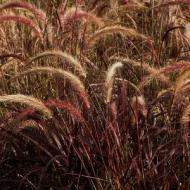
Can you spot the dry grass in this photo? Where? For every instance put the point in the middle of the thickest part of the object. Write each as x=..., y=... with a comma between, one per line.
x=90, y=126
x=75, y=81
x=109, y=30
x=76, y=14
x=110, y=79
x=39, y=13
x=24, y=21
x=76, y=64
x=27, y=100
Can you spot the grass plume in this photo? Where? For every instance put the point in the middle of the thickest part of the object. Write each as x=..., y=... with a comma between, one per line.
x=181, y=79
x=75, y=81
x=74, y=62
x=109, y=30
x=186, y=116
x=74, y=13
x=75, y=113
x=110, y=78
x=25, y=21
x=40, y=14
x=29, y=101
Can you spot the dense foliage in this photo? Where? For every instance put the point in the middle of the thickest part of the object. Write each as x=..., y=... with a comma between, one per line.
x=94, y=94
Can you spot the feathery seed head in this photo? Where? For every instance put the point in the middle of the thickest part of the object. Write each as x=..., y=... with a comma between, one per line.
x=109, y=79
x=27, y=100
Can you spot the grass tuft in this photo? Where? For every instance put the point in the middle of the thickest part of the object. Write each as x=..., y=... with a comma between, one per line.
x=27, y=100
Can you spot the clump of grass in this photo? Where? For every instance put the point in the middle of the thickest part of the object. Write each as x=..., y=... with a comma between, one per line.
x=27, y=100
x=102, y=33
x=74, y=80
x=8, y=55
x=74, y=13
x=128, y=135
x=186, y=116
x=75, y=63
x=25, y=5
x=181, y=79
x=25, y=21
x=170, y=3
x=177, y=66
x=75, y=113
x=153, y=72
